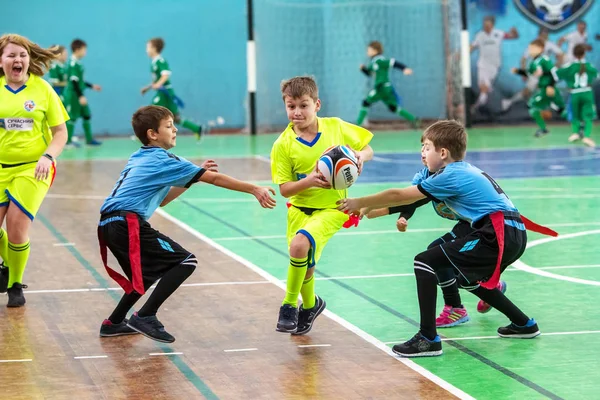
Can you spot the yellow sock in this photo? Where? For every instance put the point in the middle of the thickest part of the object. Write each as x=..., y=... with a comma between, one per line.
x=18, y=254
x=308, y=293
x=296, y=273
x=3, y=246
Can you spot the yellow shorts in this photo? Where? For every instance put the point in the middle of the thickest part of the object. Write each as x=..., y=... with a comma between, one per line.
x=19, y=186
x=318, y=227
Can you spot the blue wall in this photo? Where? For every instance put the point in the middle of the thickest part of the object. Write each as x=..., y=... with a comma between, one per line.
x=205, y=47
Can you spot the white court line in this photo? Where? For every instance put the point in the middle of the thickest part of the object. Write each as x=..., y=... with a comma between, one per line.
x=88, y=357
x=175, y=353
x=16, y=361
x=262, y=158
x=498, y=337
x=330, y=278
x=304, y=346
x=64, y=244
x=571, y=266
x=524, y=267
x=388, y=231
x=75, y=196
x=352, y=328
x=351, y=233
x=233, y=283
x=240, y=350
x=339, y=278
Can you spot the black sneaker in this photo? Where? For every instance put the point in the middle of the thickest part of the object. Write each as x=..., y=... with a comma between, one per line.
x=150, y=327
x=3, y=278
x=541, y=132
x=419, y=346
x=529, y=331
x=15, y=296
x=288, y=319
x=108, y=329
x=306, y=318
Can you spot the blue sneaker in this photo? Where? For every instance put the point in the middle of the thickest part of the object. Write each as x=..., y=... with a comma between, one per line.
x=94, y=142
x=419, y=346
x=512, y=331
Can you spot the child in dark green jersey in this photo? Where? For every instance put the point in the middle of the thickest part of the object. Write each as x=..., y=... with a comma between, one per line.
x=379, y=66
x=165, y=95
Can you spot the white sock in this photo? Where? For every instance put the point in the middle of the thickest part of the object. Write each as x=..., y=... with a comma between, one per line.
x=518, y=96
x=482, y=99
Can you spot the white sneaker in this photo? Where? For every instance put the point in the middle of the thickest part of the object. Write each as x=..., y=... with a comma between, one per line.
x=506, y=104
x=574, y=137
x=588, y=142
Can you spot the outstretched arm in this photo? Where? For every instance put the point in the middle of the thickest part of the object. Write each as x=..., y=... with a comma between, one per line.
x=161, y=81
x=387, y=198
x=227, y=182
x=513, y=33
x=175, y=192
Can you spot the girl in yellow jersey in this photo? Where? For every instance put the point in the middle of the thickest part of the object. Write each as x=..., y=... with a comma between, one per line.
x=32, y=135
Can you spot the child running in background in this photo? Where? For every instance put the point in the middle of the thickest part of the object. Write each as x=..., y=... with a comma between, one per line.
x=547, y=96
x=579, y=75
x=74, y=97
x=383, y=89
x=165, y=95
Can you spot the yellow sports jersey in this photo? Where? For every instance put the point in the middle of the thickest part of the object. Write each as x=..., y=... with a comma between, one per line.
x=293, y=159
x=26, y=115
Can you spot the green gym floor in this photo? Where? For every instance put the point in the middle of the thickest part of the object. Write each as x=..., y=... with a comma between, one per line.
x=366, y=273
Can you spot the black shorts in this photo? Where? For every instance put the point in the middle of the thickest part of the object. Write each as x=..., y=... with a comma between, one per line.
x=158, y=253
x=461, y=229
x=474, y=256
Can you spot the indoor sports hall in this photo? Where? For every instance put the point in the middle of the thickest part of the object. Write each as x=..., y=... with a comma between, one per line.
x=224, y=315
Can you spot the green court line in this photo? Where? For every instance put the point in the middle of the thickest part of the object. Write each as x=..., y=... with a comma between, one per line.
x=185, y=369
x=524, y=381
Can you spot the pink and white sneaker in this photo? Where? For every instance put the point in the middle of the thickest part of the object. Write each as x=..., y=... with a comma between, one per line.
x=451, y=316
x=484, y=307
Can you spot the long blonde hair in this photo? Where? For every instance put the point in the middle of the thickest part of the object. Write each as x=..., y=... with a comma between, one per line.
x=40, y=58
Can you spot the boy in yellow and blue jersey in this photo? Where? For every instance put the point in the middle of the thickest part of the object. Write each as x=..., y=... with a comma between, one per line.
x=312, y=216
